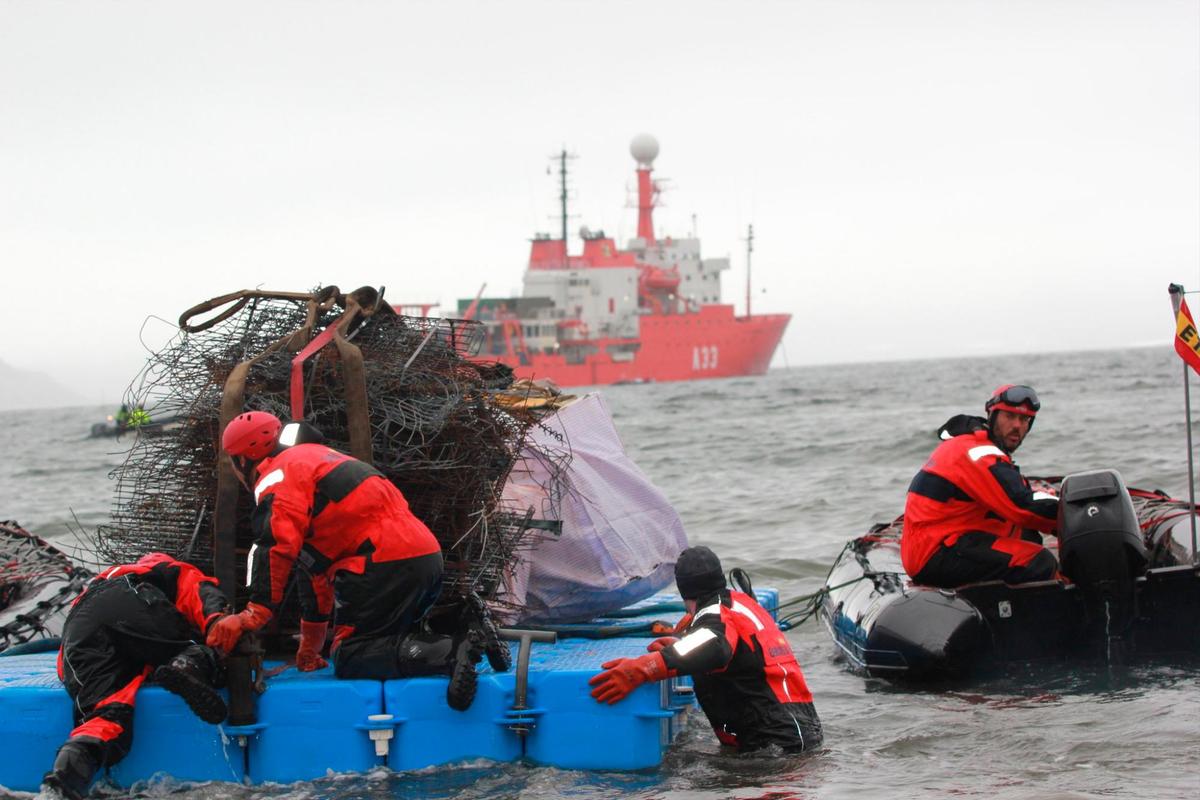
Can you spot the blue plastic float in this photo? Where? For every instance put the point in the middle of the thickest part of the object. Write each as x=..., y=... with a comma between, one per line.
x=311, y=724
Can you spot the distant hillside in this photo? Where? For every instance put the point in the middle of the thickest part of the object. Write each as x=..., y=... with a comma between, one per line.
x=21, y=388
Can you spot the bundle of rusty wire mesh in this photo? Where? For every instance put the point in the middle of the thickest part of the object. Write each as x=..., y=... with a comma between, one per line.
x=428, y=422
x=38, y=582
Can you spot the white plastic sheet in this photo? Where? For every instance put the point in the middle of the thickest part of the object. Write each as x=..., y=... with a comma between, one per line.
x=620, y=535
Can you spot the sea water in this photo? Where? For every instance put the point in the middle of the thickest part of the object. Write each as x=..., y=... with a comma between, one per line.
x=775, y=474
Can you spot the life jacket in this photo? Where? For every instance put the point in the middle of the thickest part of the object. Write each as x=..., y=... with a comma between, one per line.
x=969, y=484
x=757, y=631
x=747, y=679
x=329, y=512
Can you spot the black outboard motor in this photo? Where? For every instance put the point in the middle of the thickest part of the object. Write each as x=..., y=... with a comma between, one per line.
x=1101, y=550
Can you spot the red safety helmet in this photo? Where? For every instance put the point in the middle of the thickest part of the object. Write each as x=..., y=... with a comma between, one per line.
x=1015, y=398
x=252, y=435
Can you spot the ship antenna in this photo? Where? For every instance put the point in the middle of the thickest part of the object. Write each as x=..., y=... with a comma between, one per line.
x=749, y=250
x=563, y=194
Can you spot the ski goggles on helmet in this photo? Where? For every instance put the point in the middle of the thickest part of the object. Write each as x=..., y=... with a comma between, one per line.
x=1017, y=399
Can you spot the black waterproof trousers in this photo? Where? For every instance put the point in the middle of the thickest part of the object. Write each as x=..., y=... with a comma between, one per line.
x=979, y=556
x=112, y=640
x=377, y=609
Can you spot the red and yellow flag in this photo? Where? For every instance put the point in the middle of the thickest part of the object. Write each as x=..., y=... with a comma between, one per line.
x=1187, y=340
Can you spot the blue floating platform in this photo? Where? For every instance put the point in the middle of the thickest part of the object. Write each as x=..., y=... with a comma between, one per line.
x=311, y=724
x=576, y=732
x=429, y=733
x=169, y=740
x=37, y=717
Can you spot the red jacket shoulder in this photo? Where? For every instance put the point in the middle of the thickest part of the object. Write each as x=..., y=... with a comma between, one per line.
x=968, y=448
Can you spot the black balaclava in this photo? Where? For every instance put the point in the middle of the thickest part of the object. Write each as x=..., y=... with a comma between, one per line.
x=698, y=573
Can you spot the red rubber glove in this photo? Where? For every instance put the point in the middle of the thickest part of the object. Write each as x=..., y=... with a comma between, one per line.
x=621, y=676
x=312, y=642
x=226, y=631
x=665, y=628
x=661, y=643
x=725, y=737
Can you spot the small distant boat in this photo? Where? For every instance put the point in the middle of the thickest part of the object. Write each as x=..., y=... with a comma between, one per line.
x=112, y=429
x=1132, y=590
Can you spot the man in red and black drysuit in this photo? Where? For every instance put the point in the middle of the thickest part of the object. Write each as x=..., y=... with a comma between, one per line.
x=747, y=679
x=133, y=622
x=352, y=535
x=970, y=515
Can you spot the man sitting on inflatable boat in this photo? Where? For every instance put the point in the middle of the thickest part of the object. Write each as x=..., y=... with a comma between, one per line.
x=747, y=679
x=970, y=515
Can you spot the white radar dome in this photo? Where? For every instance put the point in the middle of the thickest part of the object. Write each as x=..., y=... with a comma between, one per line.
x=644, y=149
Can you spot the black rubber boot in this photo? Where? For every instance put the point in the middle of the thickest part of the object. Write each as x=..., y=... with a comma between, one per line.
x=461, y=691
x=191, y=675
x=496, y=649
x=434, y=654
x=74, y=767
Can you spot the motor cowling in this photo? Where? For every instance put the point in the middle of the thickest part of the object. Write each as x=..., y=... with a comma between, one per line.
x=1100, y=547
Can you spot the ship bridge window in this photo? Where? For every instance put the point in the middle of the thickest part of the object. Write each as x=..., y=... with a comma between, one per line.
x=579, y=355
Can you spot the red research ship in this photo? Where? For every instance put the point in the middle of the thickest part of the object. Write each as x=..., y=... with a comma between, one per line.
x=650, y=312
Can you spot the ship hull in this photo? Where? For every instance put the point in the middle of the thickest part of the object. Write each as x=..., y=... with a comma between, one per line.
x=710, y=343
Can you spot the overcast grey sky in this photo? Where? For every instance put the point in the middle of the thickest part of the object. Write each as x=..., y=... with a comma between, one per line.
x=924, y=178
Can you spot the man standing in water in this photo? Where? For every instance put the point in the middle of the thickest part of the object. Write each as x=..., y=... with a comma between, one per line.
x=747, y=679
x=968, y=508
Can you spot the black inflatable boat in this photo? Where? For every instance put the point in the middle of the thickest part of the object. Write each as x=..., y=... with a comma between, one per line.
x=1132, y=590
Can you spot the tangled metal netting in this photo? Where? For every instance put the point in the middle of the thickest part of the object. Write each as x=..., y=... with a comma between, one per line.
x=436, y=429
x=37, y=584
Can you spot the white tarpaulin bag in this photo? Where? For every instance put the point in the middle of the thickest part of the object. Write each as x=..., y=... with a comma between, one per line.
x=620, y=536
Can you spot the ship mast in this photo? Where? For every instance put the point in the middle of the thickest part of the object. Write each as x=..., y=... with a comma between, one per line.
x=644, y=149
x=563, y=195
x=749, y=250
